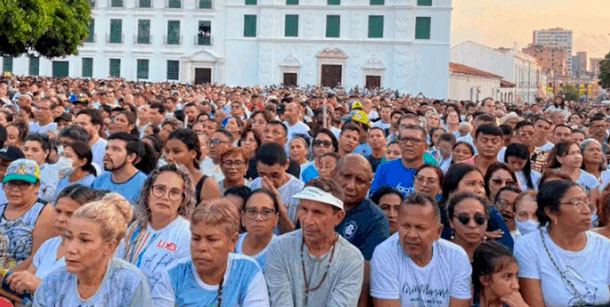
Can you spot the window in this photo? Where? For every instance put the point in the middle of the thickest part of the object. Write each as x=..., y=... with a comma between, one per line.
x=424, y=2
x=87, y=69
x=249, y=25
x=91, y=37
x=375, y=26
x=143, y=31
x=60, y=68
x=116, y=31
x=116, y=3
x=333, y=2
x=174, y=4
x=333, y=25
x=291, y=26
x=115, y=68
x=173, y=32
x=205, y=4
x=377, y=2
x=422, y=27
x=292, y=2
x=7, y=63
x=204, y=35
x=144, y=3
x=142, y=69
x=34, y=68
x=250, y=2
x=173, y=70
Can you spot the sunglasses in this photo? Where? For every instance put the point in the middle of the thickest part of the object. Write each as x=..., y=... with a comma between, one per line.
x=464, y=218
x=323, y=143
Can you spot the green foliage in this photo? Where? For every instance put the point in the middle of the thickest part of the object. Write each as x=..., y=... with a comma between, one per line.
x=604, y=72
x=53, y=28
x=570, y=93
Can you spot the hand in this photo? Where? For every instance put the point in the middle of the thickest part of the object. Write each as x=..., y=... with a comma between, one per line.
x=23, y=281
x=496, y=234
x=266, y=183
x=514, y=300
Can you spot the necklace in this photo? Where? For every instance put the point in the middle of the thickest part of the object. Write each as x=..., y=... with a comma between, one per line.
x=219, y=299
x=307, y=288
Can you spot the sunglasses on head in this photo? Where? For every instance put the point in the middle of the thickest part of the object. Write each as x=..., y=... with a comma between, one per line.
x=464, y=218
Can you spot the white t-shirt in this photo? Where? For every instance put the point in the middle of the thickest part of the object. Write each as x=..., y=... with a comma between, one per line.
x=587, y=181
x=261, y=256
x=98, y=149
x=547, y=146
x=395, y=276
x=35, y=127
x=588, y=270
x=534, y=175
x=291, y=187
x=381, y=124
x=45, y=260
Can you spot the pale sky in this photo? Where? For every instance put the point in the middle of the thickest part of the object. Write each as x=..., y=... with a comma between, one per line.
x=500, y=23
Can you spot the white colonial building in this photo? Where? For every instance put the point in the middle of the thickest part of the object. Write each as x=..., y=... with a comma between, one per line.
x=398, y=44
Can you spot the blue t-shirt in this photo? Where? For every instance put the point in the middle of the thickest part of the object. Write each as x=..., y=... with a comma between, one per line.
x=130, y=189
x=309, y=173
x=365, y=226
x=393, y=173
x=363, y=149
x=64, y=182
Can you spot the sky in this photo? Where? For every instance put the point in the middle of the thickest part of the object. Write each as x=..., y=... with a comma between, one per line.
x=501, y=23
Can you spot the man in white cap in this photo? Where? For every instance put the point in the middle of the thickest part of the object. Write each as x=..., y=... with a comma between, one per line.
x=315, y=266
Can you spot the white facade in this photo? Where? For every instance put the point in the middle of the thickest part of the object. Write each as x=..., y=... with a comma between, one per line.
x=468, y=86
x=397, y=60
x=556, y=37
x=511, y=64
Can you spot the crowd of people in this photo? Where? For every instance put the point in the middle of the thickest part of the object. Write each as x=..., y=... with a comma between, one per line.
x=119, y=193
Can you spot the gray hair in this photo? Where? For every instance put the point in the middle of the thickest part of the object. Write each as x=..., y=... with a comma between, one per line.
x=586, y=143
x=188, y=202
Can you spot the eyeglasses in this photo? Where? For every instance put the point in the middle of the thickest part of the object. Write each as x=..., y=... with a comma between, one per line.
x=464, y=218
x=580, y=203
x=160, y=190
x=265, y=213
x=427, y=180
x=412, y=140
x=20, y=184
x=216, y=142
x=504, y=204
x=236, y=163
x=322, y=143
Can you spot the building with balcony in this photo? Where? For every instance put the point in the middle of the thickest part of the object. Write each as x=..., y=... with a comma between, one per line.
x=552, y=60
x=398, y=44
x=556, y=37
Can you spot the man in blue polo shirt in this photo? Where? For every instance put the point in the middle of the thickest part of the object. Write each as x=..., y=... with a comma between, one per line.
x=399, y=173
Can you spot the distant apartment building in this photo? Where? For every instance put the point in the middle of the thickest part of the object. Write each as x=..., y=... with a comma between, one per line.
x=556, y=37
x=579, y=63
x=551, y=59
x=594, y=65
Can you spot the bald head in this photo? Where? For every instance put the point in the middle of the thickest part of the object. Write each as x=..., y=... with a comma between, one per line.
x=353, y=174
x=291, y=112
x=353, y=160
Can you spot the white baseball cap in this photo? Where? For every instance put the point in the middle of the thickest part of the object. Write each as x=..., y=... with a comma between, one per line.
x=319, y=195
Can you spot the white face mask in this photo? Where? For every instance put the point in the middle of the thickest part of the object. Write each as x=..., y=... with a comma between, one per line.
x=526, y=226
x=64, y=166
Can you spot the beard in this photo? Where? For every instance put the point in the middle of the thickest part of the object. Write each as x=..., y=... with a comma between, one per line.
x=112, y=168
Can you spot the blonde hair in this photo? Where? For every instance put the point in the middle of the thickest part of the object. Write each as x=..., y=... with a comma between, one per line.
x=112, y=213
x=217, y=212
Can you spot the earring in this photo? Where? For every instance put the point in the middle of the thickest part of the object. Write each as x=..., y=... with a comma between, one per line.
x=452, y=234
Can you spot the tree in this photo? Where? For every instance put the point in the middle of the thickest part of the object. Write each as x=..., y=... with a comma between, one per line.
x=604, y=72
x=570, y=93
x=53, y=28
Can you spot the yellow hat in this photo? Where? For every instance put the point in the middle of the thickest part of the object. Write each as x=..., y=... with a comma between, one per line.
x=361, y=117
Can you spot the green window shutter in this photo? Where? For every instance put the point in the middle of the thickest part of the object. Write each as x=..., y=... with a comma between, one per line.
x=249, y=25
x=173, y=70
x=87, y=69
x=143, y=31
x=174, y=4
x=422, y=27
x=204, y=36
x=173, y=32
x=142, y=69
x=333, y=2
x=115, y=68
x=7, y=63
x=377, y=2
x=61, y=68
x=250, y=2
x=90, y=37
x=375, y=26
x=116, y=3
x=205, y=4
x=333, y=25
x=292, y=2
x=34, y=68
x=144, y=3
x=424, y=2
x=116, y=31
x=291, y=26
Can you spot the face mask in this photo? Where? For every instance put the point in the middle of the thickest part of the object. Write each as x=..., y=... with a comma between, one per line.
x=526, y=226
x=64, y=166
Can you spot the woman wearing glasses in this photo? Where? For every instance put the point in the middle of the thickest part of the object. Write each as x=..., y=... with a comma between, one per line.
x=428, y=179
x=182, y=147
x=234, y=165
x=468, y=216
x=562, y=263
x=259, y=217
x=505, y=202
x=160, y=233
x=324, y=141
x=498, y=176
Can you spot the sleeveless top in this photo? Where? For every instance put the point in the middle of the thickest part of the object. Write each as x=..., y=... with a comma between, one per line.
x=198, y=188
x=16, y=235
